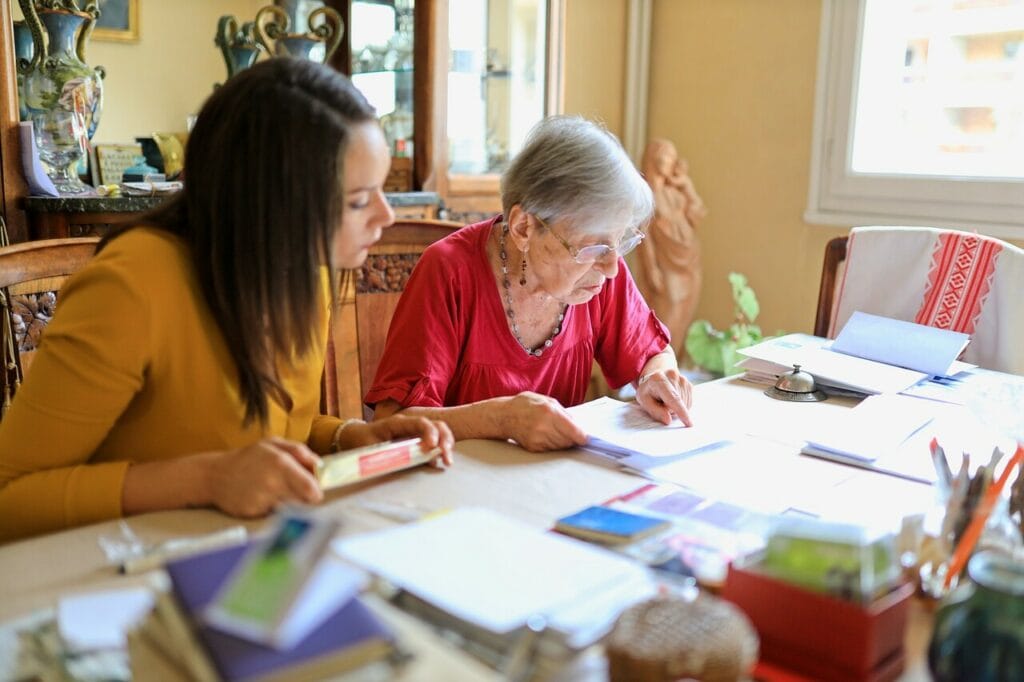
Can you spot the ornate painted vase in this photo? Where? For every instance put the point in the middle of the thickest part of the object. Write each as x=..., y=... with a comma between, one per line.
x=57, y=76
x=318, y=43
x=979, y=630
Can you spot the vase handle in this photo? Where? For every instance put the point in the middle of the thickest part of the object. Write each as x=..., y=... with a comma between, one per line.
x=35, y=26
x=331, y=31
x=93, y=10
x=271, y=24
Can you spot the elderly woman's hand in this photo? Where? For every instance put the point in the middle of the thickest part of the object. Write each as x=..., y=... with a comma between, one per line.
x=539, y=423
x=665, y=393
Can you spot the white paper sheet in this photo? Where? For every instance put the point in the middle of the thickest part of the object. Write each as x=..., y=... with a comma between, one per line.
x=871, y=499
x=756, y=474
x=903, y=344
x=495, y=572
x=623, y=432
x=879, y=425
x=100, y=620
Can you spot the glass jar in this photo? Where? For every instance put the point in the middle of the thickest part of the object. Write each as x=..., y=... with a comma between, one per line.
x=979, y=629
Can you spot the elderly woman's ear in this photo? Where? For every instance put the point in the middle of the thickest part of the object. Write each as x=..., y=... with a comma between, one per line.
x=520, y=227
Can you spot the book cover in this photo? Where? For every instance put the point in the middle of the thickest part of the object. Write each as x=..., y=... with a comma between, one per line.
x=604, y=524
x=351, y=637
x=352, y=466
x=285, y=585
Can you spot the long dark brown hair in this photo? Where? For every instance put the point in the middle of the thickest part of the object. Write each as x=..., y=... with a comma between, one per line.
x=262, y=200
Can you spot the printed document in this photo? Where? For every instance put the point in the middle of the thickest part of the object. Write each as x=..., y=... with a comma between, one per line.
x=625, y=433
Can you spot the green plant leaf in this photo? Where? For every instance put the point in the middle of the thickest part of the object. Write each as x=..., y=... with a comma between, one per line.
x=703, y=343
x=730, y=357
x=747, y=307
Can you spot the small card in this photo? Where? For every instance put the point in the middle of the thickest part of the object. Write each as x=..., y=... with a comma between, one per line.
x=39, y=183
x=604, y=524
x=904, y=344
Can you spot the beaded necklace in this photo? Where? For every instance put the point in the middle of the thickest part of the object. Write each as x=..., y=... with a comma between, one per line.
x=539, y=350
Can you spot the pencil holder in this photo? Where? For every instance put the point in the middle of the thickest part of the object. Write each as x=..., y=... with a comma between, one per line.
x=979, y=629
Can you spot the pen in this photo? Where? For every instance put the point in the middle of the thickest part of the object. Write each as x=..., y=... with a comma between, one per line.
x=170, y=549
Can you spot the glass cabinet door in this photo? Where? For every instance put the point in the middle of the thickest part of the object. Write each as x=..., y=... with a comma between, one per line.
x=497, y=66
x=381, y=41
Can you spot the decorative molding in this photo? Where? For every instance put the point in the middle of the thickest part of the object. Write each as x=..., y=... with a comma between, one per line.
x=30, y=315
x=385, y=273
x=638, y=72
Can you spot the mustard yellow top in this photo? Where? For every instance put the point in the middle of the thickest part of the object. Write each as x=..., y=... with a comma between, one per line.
x=133, y=369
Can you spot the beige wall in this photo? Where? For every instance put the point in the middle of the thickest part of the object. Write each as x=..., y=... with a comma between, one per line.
x=595, y=60
x=152, y=85
x=732, y=84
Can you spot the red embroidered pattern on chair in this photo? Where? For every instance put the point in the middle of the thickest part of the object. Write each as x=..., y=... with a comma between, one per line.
x=958, y=282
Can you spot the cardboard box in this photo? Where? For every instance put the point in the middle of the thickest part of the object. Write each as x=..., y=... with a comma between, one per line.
x=819, y=636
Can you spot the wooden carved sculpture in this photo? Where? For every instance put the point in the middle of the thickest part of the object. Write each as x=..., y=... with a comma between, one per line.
x=669, y=259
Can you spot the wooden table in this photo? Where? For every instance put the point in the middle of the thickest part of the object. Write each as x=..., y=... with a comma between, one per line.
x=535, y=489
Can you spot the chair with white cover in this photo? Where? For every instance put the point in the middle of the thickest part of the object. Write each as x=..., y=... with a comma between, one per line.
x=948, y=279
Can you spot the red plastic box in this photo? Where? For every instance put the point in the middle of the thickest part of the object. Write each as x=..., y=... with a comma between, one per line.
x=825, y=638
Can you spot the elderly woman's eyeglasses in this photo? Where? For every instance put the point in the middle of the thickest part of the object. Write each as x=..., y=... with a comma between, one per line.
x=596, y=252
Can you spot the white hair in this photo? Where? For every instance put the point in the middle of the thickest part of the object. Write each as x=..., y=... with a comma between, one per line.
x=574, y=169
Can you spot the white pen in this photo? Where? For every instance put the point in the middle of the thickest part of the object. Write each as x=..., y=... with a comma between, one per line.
x=176, y=547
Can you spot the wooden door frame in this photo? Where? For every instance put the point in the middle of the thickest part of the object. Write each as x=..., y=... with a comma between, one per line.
x=12, y=182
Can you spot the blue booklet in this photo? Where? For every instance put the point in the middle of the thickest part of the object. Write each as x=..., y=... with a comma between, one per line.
x=603, y=524
x=353, y=636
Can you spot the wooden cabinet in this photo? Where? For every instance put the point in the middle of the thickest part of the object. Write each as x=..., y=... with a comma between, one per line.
x=499, y=66
x=483, y=71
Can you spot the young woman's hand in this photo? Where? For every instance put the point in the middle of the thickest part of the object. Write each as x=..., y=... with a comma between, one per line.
x=539, y=423
x=434, y=434
x=253, y=480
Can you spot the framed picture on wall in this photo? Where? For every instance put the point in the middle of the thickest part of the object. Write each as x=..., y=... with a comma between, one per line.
x=119, y=21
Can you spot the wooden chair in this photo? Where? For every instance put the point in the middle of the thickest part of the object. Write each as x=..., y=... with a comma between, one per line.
x=366, y=302
x=31, y=275
x=835, y=254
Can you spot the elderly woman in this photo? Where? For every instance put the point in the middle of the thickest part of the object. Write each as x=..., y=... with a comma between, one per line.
x=501, y=321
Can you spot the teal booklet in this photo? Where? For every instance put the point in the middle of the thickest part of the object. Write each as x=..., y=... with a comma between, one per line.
x=602, y=524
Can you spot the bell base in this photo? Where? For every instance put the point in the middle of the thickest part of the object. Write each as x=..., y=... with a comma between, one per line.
x=789, y=396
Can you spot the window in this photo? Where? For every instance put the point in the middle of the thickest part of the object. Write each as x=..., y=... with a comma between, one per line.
x=920, y=115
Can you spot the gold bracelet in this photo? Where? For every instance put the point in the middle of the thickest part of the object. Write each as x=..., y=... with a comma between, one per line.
x=336, y=438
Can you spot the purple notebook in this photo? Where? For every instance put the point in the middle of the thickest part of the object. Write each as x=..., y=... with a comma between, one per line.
x=351, y=637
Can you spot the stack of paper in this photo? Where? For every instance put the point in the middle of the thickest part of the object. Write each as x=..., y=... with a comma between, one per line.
x=498, y=575
x=830, y=369
x=877, y=427
x=871, y=355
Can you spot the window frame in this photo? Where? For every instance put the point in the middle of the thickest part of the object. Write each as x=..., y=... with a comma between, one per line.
x=838, y=196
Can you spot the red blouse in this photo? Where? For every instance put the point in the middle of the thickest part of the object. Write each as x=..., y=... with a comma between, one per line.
x=449, y=342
